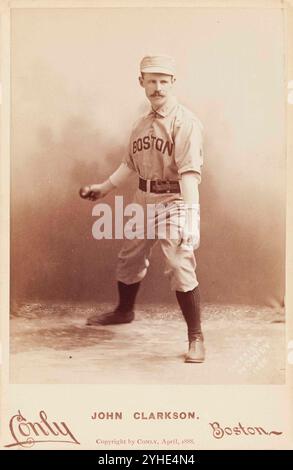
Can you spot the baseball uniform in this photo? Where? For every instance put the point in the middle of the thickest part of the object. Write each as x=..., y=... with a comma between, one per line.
x=165, y=148
x=163, y=144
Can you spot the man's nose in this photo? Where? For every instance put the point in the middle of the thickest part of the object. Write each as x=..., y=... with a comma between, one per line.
x=158, y=86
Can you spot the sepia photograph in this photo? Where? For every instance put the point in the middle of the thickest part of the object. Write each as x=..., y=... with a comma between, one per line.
x=148, y=196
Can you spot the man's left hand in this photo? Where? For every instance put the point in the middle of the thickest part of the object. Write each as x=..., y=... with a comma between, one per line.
x=189, y=239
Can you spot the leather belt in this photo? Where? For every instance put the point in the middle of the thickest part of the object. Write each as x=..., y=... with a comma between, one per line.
x=159, y=186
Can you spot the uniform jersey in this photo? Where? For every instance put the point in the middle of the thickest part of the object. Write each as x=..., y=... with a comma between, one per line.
x=166, y=143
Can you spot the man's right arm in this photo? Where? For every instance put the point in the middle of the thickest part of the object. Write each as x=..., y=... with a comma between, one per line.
x=99, y=190
x=121, y=175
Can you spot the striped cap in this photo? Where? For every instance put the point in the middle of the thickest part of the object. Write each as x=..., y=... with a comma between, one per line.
x=158, y=64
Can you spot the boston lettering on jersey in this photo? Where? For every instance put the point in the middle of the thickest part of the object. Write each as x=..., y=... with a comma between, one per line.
x=147, y=142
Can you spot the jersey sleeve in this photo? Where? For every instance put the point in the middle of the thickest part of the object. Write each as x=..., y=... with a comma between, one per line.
x=121, y=175
x=189, y=145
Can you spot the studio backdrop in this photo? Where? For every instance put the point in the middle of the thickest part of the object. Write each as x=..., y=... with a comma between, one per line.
x=74, y=97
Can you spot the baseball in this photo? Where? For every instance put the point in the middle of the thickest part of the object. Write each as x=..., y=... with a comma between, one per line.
x=84, y=191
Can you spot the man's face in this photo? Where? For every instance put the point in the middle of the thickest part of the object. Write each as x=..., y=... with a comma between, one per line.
x=158, y=87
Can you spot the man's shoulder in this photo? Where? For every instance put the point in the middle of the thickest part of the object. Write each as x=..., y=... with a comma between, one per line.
x=186, y=116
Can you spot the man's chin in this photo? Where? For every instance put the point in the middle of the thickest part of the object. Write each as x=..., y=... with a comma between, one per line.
x=158, y=101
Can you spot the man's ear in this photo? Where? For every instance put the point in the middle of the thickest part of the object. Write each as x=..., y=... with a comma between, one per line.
x=141, y=81
x=173, y=80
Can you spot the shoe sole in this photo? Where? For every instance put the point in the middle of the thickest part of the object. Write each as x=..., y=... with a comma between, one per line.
x=195, y=361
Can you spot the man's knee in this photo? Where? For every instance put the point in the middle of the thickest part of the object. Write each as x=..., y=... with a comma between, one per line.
x=130, y=272
x=182, y=275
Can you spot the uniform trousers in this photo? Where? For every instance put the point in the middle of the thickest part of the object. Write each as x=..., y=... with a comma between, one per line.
x=164, y=218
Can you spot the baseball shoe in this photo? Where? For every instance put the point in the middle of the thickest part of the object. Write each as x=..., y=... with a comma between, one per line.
x=111, y=318
x=196, y=352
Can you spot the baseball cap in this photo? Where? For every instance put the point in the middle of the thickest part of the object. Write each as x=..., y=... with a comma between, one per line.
x=158, y=64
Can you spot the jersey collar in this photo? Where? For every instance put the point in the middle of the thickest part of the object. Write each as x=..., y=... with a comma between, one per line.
x=166, y=109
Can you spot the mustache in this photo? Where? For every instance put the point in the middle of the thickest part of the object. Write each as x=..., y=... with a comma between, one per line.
x=157, y=94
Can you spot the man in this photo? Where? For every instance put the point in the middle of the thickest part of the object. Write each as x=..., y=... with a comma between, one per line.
x=165, y=150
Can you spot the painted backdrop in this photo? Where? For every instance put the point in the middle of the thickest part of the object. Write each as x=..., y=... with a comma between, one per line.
x=75, y=95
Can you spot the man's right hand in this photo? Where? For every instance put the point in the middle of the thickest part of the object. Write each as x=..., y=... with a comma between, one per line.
x=92, y=192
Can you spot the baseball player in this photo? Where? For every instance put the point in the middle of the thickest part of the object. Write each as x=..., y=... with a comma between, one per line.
x=165, y=151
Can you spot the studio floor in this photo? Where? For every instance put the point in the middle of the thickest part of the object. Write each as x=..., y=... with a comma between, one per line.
x=51, y=344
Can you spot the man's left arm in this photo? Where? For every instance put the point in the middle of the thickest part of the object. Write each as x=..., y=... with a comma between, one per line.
x=190, y=235
x=189, y=160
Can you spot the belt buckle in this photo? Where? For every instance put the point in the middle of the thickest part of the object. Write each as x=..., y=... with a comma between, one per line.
x=162, y=186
